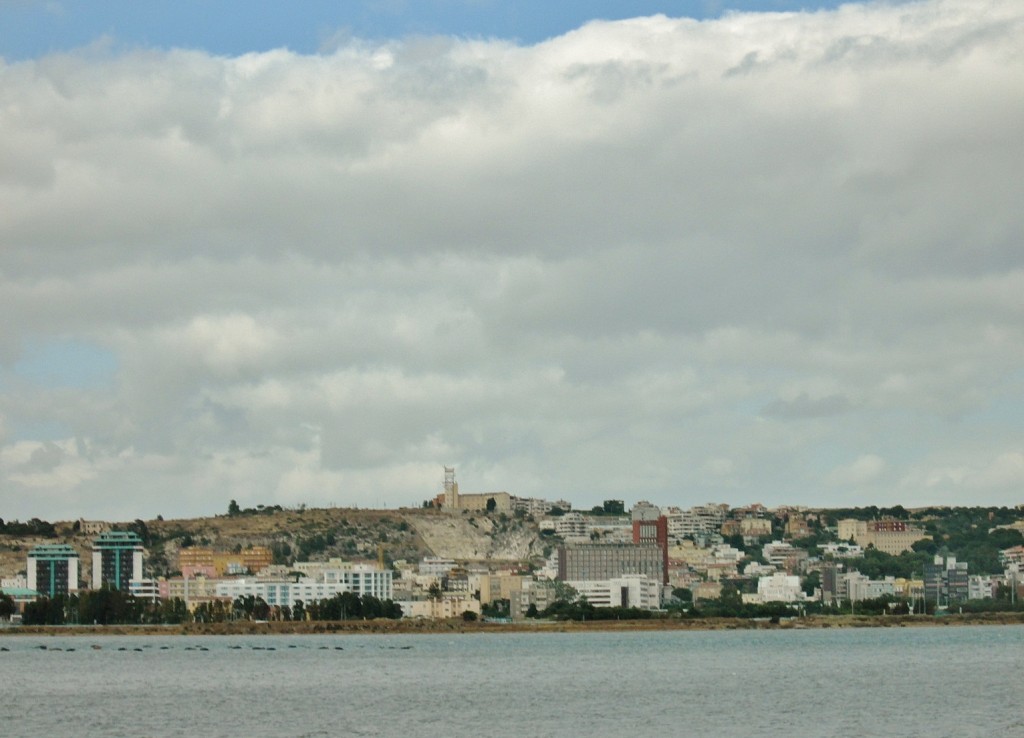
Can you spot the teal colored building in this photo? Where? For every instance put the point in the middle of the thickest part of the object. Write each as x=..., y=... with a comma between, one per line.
x=53, y=569
x=116, y=559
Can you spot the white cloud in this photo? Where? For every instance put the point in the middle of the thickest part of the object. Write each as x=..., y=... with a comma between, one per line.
x=655, y=259
x=863, y=470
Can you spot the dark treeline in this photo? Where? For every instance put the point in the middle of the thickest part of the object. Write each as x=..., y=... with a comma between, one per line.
x=344, y=606
x=34, y=527
x=103, y=607
x=112, y=607
x=583, y=610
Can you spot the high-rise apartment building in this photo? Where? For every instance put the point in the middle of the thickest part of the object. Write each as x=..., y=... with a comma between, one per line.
x=116, y=559
x=53, y=569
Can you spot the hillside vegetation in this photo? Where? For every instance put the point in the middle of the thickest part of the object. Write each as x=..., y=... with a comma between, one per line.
x=303, y=534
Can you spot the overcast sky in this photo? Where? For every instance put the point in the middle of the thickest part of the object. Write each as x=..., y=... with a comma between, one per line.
x=735, y=256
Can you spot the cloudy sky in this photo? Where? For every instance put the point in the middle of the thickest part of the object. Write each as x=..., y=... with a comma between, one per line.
x=681, y=252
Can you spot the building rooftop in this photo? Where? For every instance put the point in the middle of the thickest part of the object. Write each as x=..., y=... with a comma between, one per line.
x=53, y=551
x=117, y=539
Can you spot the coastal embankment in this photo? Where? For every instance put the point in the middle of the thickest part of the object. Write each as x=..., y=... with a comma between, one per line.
x=455, y=625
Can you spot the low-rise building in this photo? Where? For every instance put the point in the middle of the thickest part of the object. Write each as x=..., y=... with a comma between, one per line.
x=191, y=590
x=440, y=608
x=757, y=569
x=777, y=587
x=842, y=550
x=571, y=525
x=796, y=527
x=436, y=566
x=980, y=587
x=859, y=587
x=785, y=556
x=754, y=528
x=706, y=590
x=361, y=578
x=537, y=507
x=1013, y=555
x=200, y=560
x=331, y=579
x=539, y=593
x=144, y=589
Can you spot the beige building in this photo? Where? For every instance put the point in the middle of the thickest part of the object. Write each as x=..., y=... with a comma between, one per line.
x=193, y=591
x=440, y=608
x=199, y=560
x=706, y=591
x=453, y=500
x=496, y=586
x=755, y=527
x=888, y=536
x=479, y=502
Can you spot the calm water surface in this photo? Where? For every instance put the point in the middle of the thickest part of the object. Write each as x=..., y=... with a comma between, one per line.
x=950, y=681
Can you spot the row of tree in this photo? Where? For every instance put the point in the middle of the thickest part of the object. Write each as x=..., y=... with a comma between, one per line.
x=100, y=607
x=113, y=607
x=34, y=527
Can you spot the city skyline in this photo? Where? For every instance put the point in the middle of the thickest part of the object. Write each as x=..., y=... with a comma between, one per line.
x=616, y=252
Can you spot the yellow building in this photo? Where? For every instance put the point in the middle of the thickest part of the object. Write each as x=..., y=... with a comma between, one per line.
x=212, y=563
x=497, y=586
x=888, y=536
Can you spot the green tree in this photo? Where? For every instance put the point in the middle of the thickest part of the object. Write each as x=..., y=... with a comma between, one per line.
x=233, y=508
x=682, y=594
x=7, y=606
x=811, y=582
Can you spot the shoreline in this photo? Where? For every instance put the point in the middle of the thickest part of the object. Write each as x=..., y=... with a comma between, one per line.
x=455, y=625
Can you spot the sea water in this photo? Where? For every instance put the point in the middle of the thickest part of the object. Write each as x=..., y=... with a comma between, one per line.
x=941, y=681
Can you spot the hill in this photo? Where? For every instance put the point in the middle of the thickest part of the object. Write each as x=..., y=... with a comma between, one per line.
x=308, y=534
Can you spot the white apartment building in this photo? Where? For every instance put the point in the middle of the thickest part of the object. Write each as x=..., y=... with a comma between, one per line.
x=279, y=593
x=612, y=530
x=980, y=587
x=537, y=507
x=858, y=587
x=145, y=589
x=779, y=587
x=726, y=554
x=698, y=520
x=783, y=555
x=359, y=579
x=757, y=569
x=435, y=566
x=571, y=525
x=630, y=590
x=842, y=550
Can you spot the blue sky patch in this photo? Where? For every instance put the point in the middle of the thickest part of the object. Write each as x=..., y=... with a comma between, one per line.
x=60, y=363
